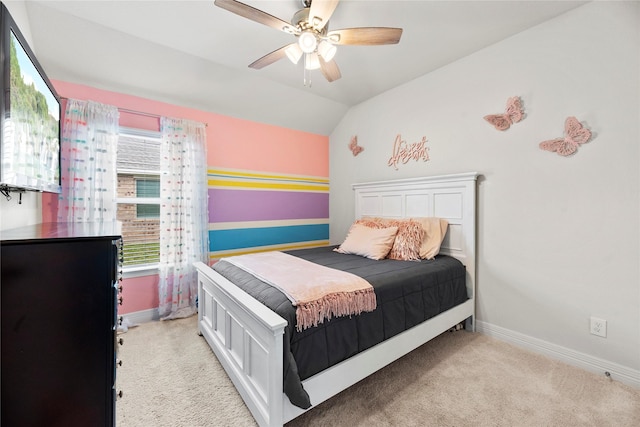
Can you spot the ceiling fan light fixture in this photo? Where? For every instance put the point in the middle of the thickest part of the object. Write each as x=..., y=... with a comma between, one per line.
x=294, y=53
x=307, y=41
x=314, y=39
x=311, y=61
x=327, y=50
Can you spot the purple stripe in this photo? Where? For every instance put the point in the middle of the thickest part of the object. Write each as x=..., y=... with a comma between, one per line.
x=254, y=205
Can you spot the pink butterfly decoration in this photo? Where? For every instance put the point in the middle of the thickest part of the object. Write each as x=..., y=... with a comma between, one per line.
x=574, y=135
x=354, y=147
x=513, y=114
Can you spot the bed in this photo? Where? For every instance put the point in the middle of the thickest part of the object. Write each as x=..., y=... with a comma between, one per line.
x=251, y=340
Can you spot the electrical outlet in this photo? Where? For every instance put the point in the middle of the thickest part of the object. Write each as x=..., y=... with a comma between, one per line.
x=598, y=327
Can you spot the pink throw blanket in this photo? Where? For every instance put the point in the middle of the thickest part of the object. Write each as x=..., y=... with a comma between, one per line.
x=317, y=292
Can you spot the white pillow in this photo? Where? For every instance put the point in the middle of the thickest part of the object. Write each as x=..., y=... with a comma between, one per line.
x=374, y=243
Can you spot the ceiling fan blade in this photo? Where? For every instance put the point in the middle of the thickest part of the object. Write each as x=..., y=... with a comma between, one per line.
x=320, y=12
x=270, y=58
x=329, y=70
x=365, y=36
x=256, y=15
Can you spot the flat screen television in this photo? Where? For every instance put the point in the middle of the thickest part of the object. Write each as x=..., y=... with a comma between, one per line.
x=30, y=114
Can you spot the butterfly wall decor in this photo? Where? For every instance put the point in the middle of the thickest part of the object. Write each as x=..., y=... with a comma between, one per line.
x=354, y=147
x=513, y=114
x=574, y=135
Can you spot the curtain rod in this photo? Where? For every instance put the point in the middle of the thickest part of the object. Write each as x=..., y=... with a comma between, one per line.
x=139, y=113
x=126, y=110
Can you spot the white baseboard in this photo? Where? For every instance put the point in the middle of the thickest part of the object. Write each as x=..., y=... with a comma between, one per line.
x=596, y=365
x=137, y=317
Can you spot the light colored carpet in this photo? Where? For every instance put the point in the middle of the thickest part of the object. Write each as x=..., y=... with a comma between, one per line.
x=170, y=377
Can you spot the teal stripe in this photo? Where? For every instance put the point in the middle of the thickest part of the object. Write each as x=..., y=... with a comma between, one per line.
x=221, y=240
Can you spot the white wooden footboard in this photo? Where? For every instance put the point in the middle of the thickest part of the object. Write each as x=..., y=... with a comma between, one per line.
x=246, y=337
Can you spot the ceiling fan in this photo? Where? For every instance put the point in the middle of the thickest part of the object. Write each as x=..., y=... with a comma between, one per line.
x=316, y=44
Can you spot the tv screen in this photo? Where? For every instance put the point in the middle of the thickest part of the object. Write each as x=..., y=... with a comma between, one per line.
x=30, y=113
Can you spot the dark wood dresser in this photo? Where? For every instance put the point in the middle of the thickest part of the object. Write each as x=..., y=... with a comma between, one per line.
x=59, y=297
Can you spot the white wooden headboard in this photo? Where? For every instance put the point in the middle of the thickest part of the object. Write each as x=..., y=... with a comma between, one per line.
x=452, y=197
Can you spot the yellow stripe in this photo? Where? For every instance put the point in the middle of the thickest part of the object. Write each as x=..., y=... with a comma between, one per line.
x=267, y=185
x=267, y=176
x=221, y=254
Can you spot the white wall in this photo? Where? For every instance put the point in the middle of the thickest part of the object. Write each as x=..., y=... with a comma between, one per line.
x=15, y=214
x=558, y=237
x=12, y=212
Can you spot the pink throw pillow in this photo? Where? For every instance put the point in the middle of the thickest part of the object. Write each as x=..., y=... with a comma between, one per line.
x=374, y=243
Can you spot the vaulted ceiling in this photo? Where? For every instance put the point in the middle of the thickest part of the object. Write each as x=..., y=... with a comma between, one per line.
x=195, y=54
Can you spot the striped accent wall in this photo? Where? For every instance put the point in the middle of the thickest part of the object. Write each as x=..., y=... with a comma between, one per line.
x=253, y=211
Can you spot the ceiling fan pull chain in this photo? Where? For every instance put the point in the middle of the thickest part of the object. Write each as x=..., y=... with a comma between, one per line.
x=307, y=77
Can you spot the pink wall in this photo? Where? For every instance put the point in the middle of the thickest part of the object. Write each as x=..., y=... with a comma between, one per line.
x=232, y=143
x=246, y=145
x=139, y=293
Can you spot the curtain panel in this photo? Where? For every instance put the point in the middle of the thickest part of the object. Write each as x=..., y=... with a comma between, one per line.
x=183, y=215
x=88, y=159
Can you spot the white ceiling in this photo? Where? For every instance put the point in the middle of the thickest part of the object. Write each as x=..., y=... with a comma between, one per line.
x=195, y=54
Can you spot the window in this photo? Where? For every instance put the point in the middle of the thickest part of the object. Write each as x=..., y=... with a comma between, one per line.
x=138, y=167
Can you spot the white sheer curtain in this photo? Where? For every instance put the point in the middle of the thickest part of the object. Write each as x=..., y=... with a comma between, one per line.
x=184, y=215
x=88, y=158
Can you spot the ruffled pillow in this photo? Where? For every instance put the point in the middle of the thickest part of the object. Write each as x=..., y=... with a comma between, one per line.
x=369, y=242
x=406, y=246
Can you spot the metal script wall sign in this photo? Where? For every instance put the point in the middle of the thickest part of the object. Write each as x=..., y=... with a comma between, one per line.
x=404, y=151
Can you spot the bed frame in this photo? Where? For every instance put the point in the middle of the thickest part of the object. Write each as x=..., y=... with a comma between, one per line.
x=247, y=337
